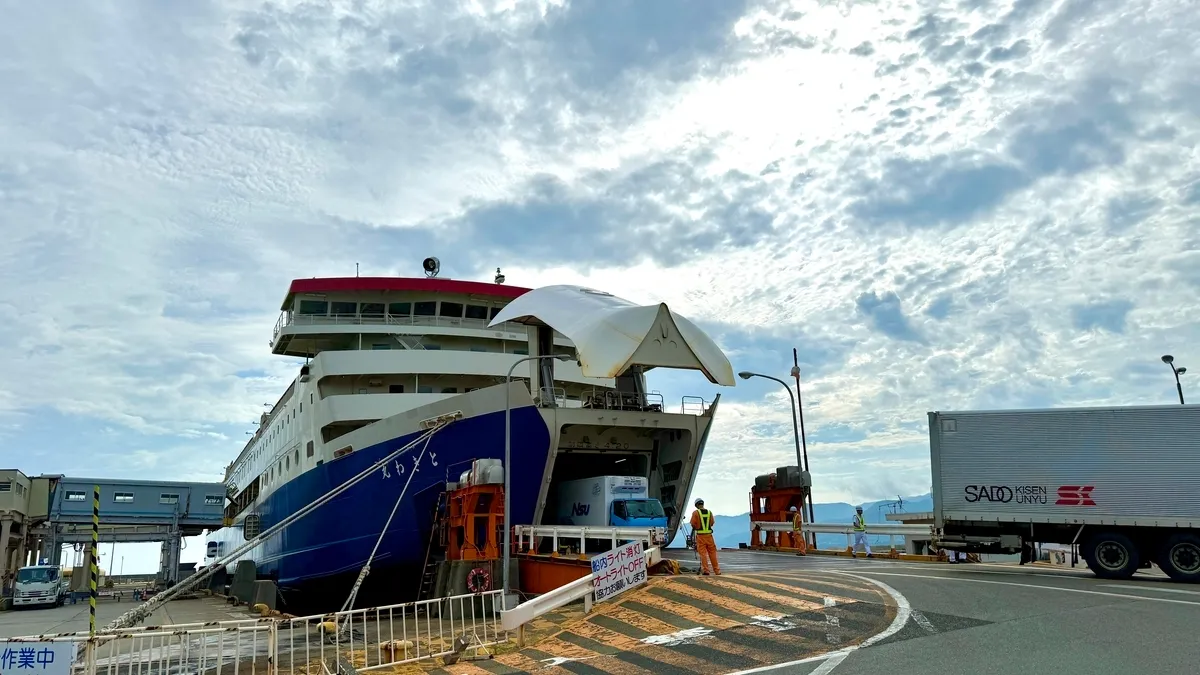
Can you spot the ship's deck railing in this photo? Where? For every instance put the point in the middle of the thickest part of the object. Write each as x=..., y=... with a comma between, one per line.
x=608, y=399
x=376, y=638
x=287, y=319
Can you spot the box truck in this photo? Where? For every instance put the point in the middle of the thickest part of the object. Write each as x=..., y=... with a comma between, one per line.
x=1120, y=482
x=610, y=501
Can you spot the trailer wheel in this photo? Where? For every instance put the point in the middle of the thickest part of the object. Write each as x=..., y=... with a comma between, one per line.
x=1181, y=558
x=1111, y=555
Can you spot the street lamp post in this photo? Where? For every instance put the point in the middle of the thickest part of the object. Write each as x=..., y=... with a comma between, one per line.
x=745, y=375
x=508, y=463
x=1170, y=361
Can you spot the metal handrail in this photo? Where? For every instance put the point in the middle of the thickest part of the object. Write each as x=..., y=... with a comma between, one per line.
x=511, y=619
x=651, y=536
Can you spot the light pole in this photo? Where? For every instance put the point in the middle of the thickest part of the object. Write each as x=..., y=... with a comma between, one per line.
x=1170, y=361
x=508, y=463
x=745, y=375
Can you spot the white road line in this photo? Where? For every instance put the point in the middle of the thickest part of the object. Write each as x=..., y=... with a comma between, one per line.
x=1150, y=587
x=923, y=621
x=1039, y=587
x=830, y=663
x=832, y=659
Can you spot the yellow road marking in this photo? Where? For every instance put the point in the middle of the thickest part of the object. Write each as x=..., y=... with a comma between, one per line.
x=730, y=604
x=688, y=611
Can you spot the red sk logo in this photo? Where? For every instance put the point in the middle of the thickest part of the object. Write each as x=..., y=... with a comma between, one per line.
x=1076, y=495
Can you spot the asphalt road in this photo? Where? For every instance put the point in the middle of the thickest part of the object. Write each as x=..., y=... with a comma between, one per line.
x=985, y=619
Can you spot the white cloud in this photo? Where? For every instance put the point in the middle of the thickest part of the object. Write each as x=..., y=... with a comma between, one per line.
x=942, y=205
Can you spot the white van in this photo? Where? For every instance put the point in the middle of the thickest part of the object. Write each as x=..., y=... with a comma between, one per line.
x=40, y=585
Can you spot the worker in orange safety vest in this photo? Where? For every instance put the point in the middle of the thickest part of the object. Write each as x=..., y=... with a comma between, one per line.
x=798, y=531
x=706, y=547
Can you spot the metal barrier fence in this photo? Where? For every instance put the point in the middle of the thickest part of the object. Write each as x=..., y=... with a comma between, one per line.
x=459, y=627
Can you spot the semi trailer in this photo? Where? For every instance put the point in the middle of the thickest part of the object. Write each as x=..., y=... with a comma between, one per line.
x=1121, y=483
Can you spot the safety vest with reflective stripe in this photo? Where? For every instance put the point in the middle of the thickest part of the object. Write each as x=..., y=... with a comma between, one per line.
x=706, y=521
x=860, y=524
x=796, y=522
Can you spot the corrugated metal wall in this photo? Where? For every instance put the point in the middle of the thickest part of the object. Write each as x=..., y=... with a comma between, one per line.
x=1142, y=463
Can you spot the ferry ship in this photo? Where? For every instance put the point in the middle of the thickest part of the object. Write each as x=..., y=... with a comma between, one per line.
x=383, y=357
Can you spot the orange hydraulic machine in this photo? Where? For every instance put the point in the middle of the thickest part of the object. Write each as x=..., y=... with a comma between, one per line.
x=771, y=501
x=465, y=542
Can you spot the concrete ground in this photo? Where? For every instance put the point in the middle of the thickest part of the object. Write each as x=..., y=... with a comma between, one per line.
x=1005, y=618
x=71, y=618
x=772, y=612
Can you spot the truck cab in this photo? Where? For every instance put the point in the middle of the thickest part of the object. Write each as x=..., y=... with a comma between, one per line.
x=38, y=585
x=637, y=513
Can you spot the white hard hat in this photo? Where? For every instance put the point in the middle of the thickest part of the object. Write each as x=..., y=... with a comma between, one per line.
x=792, y=509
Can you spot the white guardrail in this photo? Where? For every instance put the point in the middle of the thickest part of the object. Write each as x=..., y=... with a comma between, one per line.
x=517, y=617
x=890, y=530
x=525, y=536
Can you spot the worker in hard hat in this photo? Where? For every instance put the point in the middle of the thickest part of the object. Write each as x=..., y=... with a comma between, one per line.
x=702, y=526
x=798, y=530
x=860, y=534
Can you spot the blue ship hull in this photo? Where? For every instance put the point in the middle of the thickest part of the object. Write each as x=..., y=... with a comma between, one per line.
x=315, y=561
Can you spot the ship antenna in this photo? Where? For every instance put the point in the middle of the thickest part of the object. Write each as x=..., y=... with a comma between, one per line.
x=356, y=270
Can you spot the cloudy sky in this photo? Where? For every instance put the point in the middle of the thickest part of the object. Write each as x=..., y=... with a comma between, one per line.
x=942, y=205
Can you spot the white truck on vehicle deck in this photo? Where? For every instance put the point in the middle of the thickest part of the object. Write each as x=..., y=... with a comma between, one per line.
x=1120, y=482
x=40, y=585
x=611, y=501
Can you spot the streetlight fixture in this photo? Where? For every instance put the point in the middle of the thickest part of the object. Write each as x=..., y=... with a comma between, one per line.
x=745, y=375
x=1170, y=361
x=508, y=463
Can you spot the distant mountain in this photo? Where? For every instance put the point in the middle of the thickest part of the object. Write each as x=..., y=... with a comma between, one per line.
x=729, y=531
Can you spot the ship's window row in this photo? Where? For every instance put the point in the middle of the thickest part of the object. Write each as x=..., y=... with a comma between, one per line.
x=380, y=310
x=123, y=497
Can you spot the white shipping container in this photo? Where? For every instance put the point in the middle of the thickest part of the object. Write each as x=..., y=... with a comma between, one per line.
x=1131, y=466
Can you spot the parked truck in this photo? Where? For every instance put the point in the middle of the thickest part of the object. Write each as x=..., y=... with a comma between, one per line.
x=38, y=585
x=610, y=501
x=1120, y=482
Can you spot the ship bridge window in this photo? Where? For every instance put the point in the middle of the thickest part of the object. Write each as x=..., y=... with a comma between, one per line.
x=494, y=311
x=452, y=310
x=6, y=486
x=343, y=308
x=371, y=309
x=477, y=312
x=425, y=308
x=313, y=307
x=401, y=309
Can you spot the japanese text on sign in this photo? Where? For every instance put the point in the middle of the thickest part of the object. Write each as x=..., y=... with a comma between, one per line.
x=39, y=658
x=618, y=570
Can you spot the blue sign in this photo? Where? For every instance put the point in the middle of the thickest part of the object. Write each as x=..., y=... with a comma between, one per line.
x=40, y=658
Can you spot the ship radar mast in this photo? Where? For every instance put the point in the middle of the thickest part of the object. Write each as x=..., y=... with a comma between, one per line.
x=499, y=277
